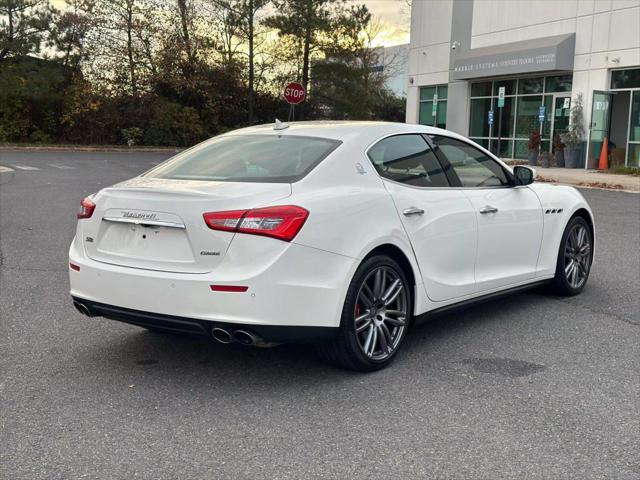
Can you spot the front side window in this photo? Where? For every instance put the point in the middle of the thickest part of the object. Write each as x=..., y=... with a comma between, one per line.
x=407, y=159
x=471, y=166
x=248, y=158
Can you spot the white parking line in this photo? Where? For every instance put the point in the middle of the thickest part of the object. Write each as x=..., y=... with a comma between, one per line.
x=62, y=167
x=5, y=169
x=25, y=167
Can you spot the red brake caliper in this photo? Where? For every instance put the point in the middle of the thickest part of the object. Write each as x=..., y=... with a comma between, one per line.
x=358, y=309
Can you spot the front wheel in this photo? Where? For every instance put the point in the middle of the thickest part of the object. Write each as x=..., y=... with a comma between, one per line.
x=375, y=317
x=574, y=258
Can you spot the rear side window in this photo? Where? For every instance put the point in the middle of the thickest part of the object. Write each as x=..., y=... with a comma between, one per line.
x=407, y=159
x=249, y=158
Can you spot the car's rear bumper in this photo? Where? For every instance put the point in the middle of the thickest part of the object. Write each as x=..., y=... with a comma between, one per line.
x=296, y=286
x=193, y=326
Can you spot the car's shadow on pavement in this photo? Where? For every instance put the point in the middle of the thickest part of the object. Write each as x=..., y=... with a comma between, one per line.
x=138, y=354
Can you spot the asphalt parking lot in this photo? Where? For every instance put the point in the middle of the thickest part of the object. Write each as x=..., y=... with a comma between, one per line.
x=531, y=386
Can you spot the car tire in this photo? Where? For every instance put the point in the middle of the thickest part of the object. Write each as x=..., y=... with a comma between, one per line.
x=575, y=256
x=376, y=316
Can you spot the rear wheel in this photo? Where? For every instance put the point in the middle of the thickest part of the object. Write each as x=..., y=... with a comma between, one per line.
x=574, y=258
x=375, y=317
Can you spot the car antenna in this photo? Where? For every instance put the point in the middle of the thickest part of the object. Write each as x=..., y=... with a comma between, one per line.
x=280, y=125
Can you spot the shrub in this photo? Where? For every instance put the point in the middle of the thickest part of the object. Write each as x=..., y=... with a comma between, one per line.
x=574, y=135
x=131, y=135
x=173, y=124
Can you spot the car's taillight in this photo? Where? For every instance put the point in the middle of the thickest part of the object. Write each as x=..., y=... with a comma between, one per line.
x=281, y=222
x=226, y=221
x=86, y=208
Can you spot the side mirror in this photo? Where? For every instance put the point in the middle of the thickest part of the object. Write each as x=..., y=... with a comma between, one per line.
x=523, y=175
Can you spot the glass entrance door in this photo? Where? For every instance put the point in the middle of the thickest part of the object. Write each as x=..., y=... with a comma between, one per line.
x=561, y=111
x=560, y=120
x=600, y=123
x=633, y=145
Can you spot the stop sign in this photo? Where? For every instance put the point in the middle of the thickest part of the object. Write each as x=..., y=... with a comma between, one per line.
x=294, y=93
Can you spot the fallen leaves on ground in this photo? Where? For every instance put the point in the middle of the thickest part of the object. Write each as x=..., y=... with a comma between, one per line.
x=612, y=186
x=540, y=178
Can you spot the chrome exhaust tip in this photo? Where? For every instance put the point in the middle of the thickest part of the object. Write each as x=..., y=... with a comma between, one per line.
x=82, y=308
x=221, y=335
x=246, y=338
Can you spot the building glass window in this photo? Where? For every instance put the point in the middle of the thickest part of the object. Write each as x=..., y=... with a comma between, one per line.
x=548, y=116
x=483, y=142
x=482, y=89
x=478, y=121
x=435, y=116
x=427, y=93
x=506, y=147
x=625, y=78
x=530, y=86
x=527, y=121
x=561, y=83
x=508, y=113
x=509, y=86
x=520, y=114
x=520, y=148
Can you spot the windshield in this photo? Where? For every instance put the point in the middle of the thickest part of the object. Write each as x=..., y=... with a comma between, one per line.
x=248, y=158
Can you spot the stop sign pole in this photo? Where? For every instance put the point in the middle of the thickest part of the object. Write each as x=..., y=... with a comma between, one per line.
x=293, y=93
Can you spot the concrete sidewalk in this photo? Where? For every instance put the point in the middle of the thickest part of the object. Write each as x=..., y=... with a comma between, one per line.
x=588, y=178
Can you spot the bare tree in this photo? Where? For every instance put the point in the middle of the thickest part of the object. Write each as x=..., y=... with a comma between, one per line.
x=123, y=30
x=240, y=16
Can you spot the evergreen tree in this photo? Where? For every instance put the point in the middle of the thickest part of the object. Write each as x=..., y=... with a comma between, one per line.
x=23, y=26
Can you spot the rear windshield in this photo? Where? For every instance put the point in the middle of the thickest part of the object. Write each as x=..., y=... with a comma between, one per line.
x=248, y=158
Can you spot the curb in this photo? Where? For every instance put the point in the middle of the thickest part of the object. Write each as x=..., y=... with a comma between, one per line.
x=611, y=188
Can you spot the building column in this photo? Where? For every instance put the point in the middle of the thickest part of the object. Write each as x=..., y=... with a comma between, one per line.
x=458, y=107
x=413, y=104
x=458, y=95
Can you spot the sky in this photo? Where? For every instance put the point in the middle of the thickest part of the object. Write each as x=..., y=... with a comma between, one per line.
x=393, y=16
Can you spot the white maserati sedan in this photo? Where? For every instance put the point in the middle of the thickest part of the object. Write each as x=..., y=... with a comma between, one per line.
x=342, y=234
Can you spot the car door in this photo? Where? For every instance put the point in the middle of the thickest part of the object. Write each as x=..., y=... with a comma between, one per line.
x=509, y=217
x=439, y=221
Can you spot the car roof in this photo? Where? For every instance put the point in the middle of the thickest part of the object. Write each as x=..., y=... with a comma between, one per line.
x=345, y=131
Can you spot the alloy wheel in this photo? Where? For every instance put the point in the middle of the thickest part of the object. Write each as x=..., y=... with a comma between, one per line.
x=577, y=256
x=380, y=315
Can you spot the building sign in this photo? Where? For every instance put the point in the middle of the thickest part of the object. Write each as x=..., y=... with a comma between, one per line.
x=567, y=103
x=490, y=117
x=537, y=55
x=434, y=107
x=501, y=97
x=541, y=113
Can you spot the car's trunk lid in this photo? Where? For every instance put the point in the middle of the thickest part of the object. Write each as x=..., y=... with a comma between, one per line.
x=157, y=224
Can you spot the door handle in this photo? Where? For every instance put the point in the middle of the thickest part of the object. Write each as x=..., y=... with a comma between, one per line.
x=412, y=211
x=488, y=209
